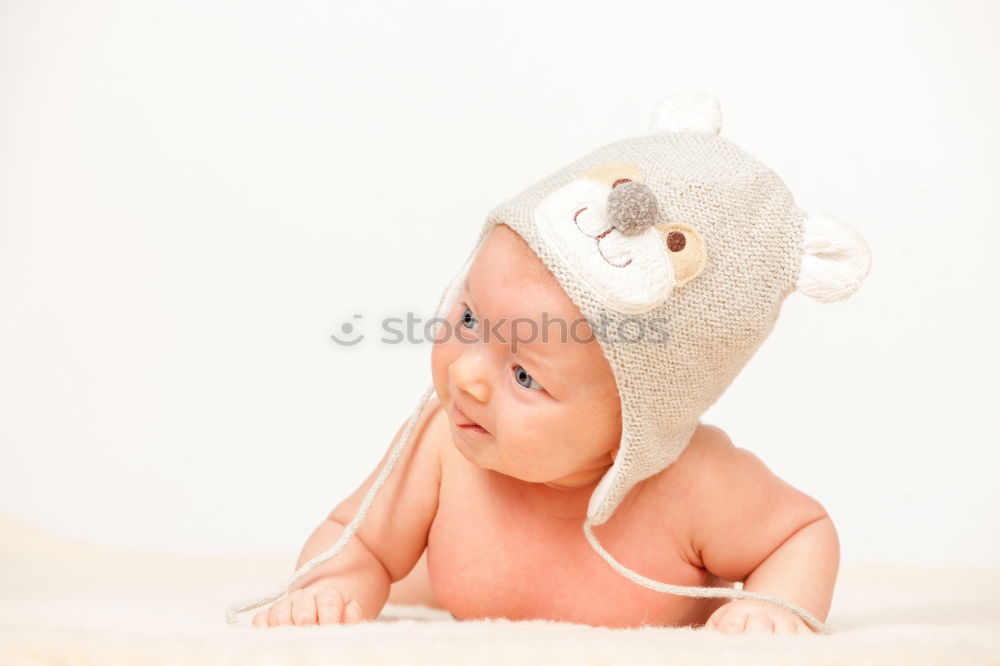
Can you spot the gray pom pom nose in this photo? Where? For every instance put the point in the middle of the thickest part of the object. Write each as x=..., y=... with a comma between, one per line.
x=632, y=207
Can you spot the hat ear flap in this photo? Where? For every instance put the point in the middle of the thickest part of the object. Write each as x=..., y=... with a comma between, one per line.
x=835, y=259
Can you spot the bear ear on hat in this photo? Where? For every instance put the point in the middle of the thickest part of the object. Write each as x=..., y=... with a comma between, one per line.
x=835, y=259
x=694, y=111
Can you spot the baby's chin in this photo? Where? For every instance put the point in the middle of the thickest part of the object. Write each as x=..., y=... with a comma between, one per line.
x=485, y=457
x=480, y=452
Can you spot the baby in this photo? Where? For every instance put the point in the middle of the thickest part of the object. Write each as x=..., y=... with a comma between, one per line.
x=601, y=312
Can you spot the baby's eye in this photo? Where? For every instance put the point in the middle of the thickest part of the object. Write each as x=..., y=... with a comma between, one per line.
x=522, y=377
x=468, y=320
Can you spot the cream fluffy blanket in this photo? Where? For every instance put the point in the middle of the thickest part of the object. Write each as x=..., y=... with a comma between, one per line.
x=68, y=603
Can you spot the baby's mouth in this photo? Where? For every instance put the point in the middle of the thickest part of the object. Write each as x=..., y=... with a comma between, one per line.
x=459, y=418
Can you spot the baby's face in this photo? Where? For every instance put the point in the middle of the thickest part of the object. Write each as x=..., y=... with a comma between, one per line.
x=540, y=409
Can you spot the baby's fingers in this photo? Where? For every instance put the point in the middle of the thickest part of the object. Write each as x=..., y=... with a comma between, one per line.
x=329, y=605
x=304, y=607
x=727, y=619
x=280, y=613
x=803, y=628
x=715, y=618
x=759, y=622
x=784, y=624
x=731, y=623
x=353, y=613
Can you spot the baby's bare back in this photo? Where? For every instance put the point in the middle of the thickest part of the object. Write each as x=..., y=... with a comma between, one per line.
x=500, y=547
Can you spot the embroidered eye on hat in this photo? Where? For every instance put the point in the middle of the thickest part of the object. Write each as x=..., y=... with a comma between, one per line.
x=681, y=229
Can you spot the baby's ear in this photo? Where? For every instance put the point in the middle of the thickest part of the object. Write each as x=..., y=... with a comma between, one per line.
x=835, y=259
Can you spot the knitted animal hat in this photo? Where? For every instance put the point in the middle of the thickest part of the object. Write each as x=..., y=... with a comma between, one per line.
x=679, y=248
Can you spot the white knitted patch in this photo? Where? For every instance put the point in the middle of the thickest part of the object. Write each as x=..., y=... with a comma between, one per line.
x=687, y=112
x=835, y=259
x=630, y=274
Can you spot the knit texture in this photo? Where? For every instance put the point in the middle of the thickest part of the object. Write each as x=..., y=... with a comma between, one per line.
x=714, y=323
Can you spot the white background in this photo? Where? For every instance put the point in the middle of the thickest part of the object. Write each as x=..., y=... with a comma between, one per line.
x=194, y=196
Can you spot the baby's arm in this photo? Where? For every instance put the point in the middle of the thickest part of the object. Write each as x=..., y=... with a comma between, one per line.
x=354, y=585
x=751, y=526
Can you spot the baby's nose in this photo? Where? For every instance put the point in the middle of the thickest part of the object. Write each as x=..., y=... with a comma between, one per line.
x=466, y=373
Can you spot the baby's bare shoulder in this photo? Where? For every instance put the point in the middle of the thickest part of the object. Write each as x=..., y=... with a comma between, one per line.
x=708, y=448
x=737, y=509
x=711, y=456
x=709, y=442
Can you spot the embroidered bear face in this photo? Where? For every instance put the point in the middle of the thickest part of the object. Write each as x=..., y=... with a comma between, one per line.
x=607, y=227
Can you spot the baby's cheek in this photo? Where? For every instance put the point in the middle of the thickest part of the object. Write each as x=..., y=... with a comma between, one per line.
x=545, y=447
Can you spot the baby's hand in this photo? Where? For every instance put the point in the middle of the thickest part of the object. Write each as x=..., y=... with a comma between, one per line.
x=747, y=615
x=322, y=604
